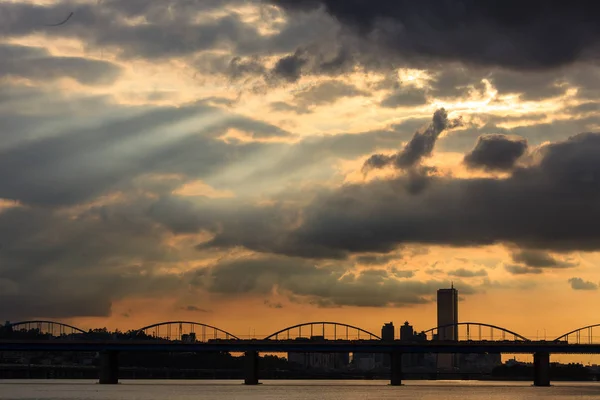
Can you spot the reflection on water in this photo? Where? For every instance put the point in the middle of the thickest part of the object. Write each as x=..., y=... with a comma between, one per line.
x=294, y=390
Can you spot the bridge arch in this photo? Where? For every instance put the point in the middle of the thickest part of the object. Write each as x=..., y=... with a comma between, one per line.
x=53, y=328
x=477, y=333
x=184, y=330
x=326, y=329
x=581, y=335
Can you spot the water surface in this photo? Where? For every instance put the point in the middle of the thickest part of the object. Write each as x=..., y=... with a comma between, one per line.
x=292, y=390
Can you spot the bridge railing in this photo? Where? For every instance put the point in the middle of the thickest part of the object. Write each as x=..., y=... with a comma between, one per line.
x=585, y=335
x=182, y=331
x=322, y=330
x=472, y=331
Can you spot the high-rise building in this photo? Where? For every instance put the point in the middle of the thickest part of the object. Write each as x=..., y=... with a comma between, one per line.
x=388, y=332
x=447, y=316
x=447, y=313
x=407, y=332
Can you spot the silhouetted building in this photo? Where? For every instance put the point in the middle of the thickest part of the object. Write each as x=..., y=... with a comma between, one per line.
x=188, y=338
x=406, y=332
x=447, y=314
x=387, y=332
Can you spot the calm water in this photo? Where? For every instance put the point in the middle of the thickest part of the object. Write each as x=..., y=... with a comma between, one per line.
x=292, y=390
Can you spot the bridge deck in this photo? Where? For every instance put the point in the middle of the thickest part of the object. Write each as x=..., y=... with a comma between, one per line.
x=274, y=346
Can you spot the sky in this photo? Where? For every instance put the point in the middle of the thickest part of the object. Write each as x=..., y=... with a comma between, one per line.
x=257, y=164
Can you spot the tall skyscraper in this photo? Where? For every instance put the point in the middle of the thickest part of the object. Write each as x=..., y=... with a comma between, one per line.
x=447, y=314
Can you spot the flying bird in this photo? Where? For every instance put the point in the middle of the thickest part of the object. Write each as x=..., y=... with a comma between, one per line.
x=63, y=22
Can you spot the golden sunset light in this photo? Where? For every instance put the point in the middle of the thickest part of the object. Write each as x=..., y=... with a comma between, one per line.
x=256, y=164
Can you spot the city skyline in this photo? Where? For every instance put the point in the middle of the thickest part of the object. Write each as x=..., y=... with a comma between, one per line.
x=448, y=328
x=250, y=164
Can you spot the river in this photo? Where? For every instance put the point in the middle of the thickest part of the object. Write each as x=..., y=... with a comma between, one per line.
x=292, y=390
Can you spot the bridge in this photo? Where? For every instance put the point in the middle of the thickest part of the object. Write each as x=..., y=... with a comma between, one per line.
x=310, y=337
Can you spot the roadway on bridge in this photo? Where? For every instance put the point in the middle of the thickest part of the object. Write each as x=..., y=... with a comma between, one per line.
x=328, y=346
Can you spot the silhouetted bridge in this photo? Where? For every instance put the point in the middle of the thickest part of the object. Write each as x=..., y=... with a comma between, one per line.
x=312, y=337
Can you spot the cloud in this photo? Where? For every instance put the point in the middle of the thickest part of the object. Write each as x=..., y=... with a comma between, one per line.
x=540, y=259
x=171, y=28
x=37, y=63
x=465, y=273
x=326, y=93
x=455, y=81
x=530, y=85
x=496, y=152
x=410, y=97
x=326, y=285
x=270, y=304
x=580, y=284
x=161, y=140
x=239, y=68
x=196, y=309
x=290, y=67
x=521, y=270
x=421, y=145
x=376, y=259
x=380, y=215
x=285, y=107
x=478, y=33
x=94, y=258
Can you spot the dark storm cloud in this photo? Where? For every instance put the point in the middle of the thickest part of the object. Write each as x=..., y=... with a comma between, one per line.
x=90, y=261
x=380, y=215
x=466, y=273
x=289, y=67
x=521, y=270
x=540, y=259
x=580, y=284
x=333, y=286
x=470, y=31
x=326, y=93
x=461, y=140
x=36, y=63
x=496, y=152
x=530, y=85
x=421, y=145
x=376, y=259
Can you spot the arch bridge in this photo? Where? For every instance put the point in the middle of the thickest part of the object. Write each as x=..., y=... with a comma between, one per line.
x=473, y=331
x=43, y=328
x=185, y=331
x=585, y=335
x=323, y=329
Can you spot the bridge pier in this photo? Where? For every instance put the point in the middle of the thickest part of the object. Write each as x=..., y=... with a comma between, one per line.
x=541, y=369
x=251, y=368
x=396, y=368
x=109, y=367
